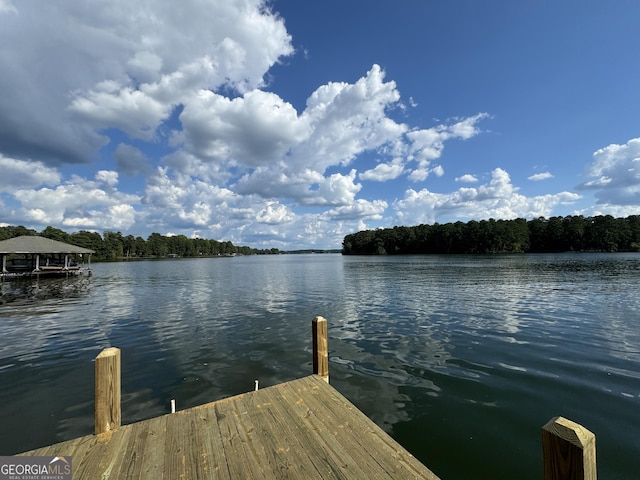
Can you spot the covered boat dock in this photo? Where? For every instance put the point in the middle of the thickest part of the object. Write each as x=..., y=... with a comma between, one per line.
x=35, y=255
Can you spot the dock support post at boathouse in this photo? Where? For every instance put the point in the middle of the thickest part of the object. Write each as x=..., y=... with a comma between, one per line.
x=107, y=391
x=568, y=450
x=320, y=348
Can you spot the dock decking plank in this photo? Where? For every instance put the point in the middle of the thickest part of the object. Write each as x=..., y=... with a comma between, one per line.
x=299, y=429
x=371, y=449
x=212, y=445
x=291, y=436
x=241, y=454
x=325, y=453
x=127, y=463
x=103, y=455
x=152, y=451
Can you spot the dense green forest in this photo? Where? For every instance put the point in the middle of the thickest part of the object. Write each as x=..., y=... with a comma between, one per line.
x=115, y=246
x=556, y=234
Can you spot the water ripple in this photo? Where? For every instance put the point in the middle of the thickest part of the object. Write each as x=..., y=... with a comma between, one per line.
x=448, y=353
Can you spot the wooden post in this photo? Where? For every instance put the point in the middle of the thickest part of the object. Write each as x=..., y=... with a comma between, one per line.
x=107, y=392
x=568, y=450
x=320, y=348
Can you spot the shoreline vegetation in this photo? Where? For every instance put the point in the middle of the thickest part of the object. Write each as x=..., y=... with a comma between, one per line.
x=113, y=246
x=602, y=233
x=576, y=233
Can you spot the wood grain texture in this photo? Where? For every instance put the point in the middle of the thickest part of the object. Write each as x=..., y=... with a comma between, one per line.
x=107, y=390
x=320, y=335
x=568, y=450
x=299, y=429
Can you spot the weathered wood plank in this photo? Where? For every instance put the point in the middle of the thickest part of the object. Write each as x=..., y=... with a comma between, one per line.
x=244, y=458
x=288, y=437
x=369, y=447
x=132, y=455
x=153, y=450
x=325, y=455
x=107, y=450
x=77, y=448
x=212, y=445
x=184, y=453
x=298, y=429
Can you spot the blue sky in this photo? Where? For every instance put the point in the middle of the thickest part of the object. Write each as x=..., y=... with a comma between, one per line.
x=290, y=124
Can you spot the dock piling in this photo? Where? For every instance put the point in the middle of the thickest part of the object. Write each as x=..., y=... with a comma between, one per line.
x=320, y=348
x=568, y=450
x=107, y=391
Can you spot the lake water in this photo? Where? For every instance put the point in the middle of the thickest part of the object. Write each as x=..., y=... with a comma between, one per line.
x=462, y=359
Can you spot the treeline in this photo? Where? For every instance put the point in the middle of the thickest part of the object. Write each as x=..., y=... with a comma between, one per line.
x=556, y=234
x=115, y=246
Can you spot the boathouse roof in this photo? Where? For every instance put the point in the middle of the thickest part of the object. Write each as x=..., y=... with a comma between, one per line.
x=36, y=244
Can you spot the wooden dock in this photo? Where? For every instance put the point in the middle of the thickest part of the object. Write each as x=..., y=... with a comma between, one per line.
x=299, y=429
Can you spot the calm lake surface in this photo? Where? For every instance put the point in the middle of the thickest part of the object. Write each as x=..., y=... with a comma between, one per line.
x=462, y=359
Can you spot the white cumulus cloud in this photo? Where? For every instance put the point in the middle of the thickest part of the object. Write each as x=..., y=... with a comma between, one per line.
x=496, y=199
x=79, y=203
x=19, y=174
x=615, y=175
x=384, y=171
x=359, y=210
x=540, y=176
x=122, y=65
x=467, y=178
